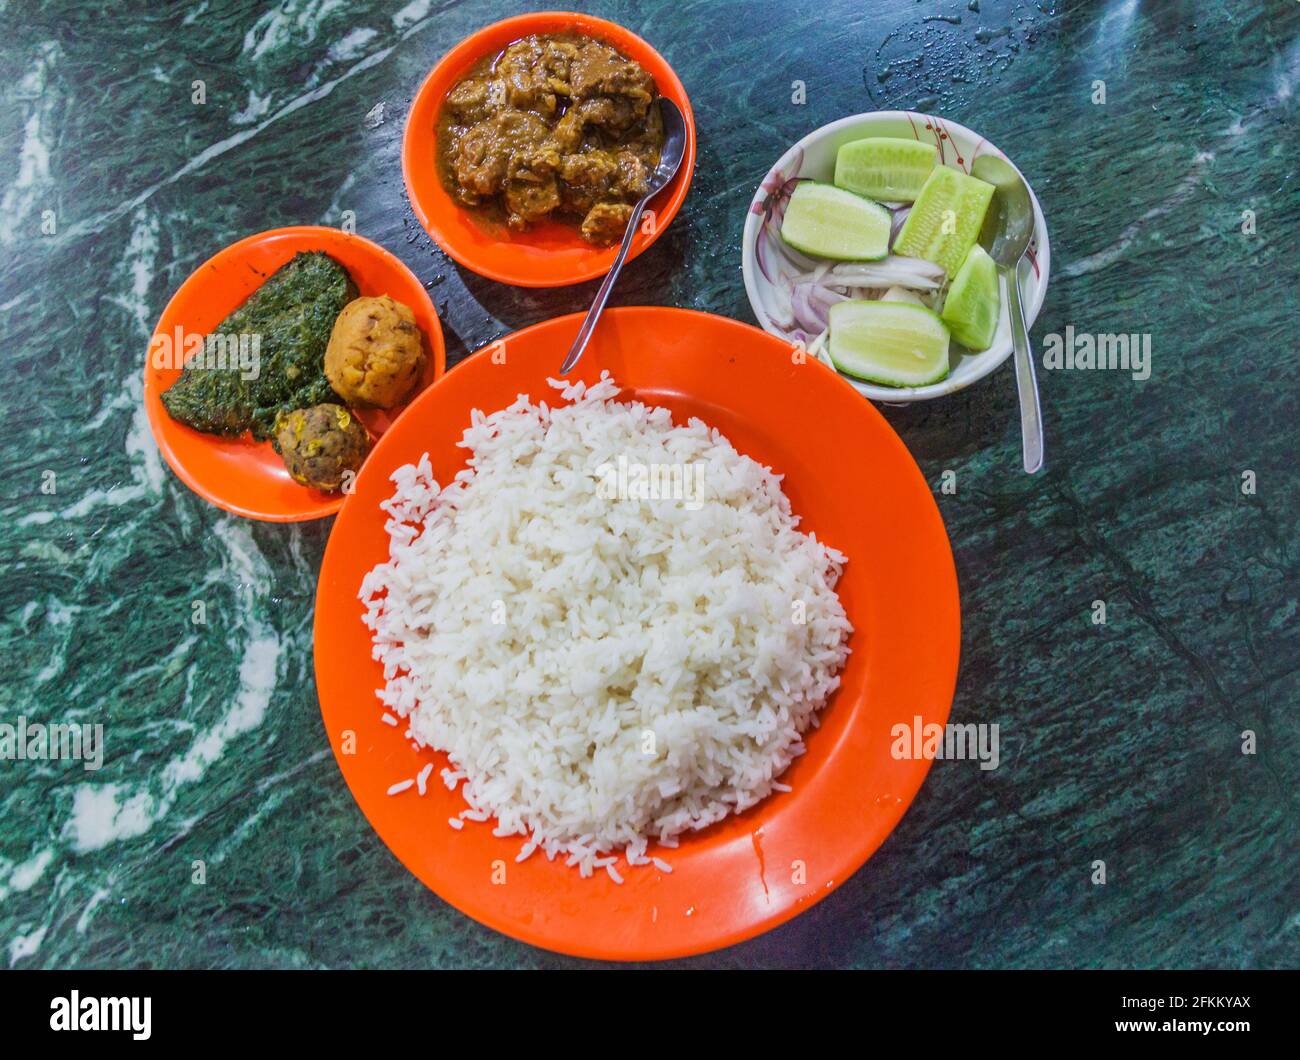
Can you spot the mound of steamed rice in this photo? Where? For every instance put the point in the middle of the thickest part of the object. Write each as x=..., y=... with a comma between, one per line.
x=602, y=667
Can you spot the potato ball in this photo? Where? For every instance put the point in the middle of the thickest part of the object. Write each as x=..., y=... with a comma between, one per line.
x=375, y=355
x=320, y=445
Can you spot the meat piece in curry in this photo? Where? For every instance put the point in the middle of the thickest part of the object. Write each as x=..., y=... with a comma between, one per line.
x=557, y=124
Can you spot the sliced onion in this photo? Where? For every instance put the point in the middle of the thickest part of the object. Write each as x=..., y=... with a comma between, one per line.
x=809, y=314
x=825, y=296
x=896, y=224
x=801, y=261
x=817, y=347
x=891, y=272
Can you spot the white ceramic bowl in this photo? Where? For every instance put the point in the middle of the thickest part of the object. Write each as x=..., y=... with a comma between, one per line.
x=814, y=157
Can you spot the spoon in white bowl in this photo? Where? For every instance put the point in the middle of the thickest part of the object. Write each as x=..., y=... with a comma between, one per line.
x=1008, y=227
x=670, y=158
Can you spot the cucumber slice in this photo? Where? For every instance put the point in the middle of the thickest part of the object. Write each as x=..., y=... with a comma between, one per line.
x=893, y=343
x=828, y=222
x=974, y=303
x=886, y=168
x=945, y=219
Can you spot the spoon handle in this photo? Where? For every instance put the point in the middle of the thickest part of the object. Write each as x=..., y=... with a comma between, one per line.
x=602, y=296
x=1031, y=413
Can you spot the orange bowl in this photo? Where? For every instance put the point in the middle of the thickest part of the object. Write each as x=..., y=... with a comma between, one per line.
x=238, y=474
x=550, y=254
x=853, y=483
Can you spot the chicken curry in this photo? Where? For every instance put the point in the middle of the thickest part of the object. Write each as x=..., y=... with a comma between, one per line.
x=557, y=124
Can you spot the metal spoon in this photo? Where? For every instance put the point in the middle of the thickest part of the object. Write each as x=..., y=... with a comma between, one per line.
x=1008, y=226
x=670, y=158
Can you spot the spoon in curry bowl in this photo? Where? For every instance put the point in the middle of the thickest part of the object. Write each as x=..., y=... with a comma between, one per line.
x=670, y=158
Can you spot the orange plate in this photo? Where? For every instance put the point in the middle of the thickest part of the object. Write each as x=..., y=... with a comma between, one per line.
x=550, y=254
x=238, y=474
x=854, y=484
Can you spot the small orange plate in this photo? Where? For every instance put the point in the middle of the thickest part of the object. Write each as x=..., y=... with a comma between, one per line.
x=853, y=482
x=551, y=254
x=238, y=474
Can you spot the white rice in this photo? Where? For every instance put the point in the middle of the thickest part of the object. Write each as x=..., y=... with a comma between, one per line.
x=545, y=634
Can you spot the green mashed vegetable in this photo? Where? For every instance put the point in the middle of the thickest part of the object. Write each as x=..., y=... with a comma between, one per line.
x=293, y=314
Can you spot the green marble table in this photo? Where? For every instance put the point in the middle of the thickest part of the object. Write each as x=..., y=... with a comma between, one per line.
x=1174, y=211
